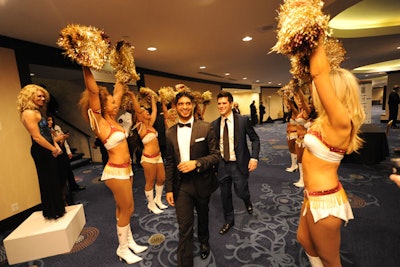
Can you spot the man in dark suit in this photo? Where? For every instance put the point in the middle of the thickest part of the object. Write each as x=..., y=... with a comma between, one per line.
x=191, y=159
x=237, y=162
x=394, y=101
x=253, y=113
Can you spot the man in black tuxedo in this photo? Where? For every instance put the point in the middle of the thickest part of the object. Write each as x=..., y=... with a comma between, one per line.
x=237, y=162
x=191, y=159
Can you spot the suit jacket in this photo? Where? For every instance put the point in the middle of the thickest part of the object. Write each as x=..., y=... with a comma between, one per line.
x=203, y=148
x=242, y=128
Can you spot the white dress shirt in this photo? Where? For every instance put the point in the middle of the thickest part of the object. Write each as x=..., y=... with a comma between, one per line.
x=184, y=135
x=232, y=156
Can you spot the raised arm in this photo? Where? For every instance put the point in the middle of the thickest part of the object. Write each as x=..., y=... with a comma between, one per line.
x=119, y=90
x=164, y=109
x=93, y=89
x=153, y=110
x=203, y=110
x=135, y=102
x=320, y=69
x=304, y=100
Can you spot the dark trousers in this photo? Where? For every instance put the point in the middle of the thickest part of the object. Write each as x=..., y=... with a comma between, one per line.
x=240, y=184
x=187, y=201
x=254, y=119
x=393, y=112
x=64, y=164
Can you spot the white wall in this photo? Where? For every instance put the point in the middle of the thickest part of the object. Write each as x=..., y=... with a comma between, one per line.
x=18, y=179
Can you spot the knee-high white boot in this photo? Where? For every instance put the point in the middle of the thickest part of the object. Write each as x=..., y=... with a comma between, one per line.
x=315, y=261
x=151, y=205
x=294, y=166
x=157, y=199
x=132, y=244
x=123, y=250
x=300, y=182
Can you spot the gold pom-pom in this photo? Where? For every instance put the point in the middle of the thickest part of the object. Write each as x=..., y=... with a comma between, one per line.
x=301, y=24
x=198, y=98
x=288, y=91
x=121, y=59
x=86, y=45
x=335, y=52
x=207, y=96
x=126, y=101
x=300, y=67
x=183, y=88
x=167, y=94
x=145, y=95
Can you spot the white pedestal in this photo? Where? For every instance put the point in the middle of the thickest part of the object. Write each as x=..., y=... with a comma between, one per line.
x=38, y=238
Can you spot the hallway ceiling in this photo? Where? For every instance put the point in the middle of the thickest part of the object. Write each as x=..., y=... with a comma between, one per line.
x=193, y=33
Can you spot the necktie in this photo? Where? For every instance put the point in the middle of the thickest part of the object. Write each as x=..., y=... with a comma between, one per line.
x=225, y=141
x=184, y=124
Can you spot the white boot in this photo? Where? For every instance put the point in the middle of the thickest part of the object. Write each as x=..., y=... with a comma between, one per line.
x=157, y=200
x=294, y=166
x=132, y=244
x=151, y=205
x=123, y=251
x=300, y=182
x=315, y=261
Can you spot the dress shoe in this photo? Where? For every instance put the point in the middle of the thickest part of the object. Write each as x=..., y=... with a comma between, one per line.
x=249, y=208
x=204, y=250
x=225, y=228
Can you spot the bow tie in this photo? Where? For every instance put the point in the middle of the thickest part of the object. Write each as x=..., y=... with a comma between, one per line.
x=184, y=124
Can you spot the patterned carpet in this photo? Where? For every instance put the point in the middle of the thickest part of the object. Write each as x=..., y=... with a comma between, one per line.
x=266, y=238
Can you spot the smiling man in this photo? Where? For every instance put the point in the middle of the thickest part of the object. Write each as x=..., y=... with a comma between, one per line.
x=237, y=162
x=190, y=162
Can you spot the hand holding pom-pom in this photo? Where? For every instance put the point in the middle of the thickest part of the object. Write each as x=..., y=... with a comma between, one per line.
x=86, y=45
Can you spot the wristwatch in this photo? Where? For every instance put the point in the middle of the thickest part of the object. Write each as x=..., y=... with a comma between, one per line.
x=198, y=165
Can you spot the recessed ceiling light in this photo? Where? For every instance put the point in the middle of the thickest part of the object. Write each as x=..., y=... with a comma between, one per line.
x=247, y=39
x=32, y=74
x=227, y=74
x=391, y=65
x=398, y=47
x=152, y=48
x=202, y=67
x=244, y=78
x=257, y=81
x=269, y=82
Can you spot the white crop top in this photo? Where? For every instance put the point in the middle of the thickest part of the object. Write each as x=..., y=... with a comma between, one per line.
x=114, y=138
x=149, y=134
x=319, y=148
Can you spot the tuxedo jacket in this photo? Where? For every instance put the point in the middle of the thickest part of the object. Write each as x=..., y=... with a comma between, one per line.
x=204, y=148
x=242, y=128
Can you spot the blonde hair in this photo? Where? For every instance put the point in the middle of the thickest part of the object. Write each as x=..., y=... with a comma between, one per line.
x=346, y=88
x=25, y=99
x=84, y=101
